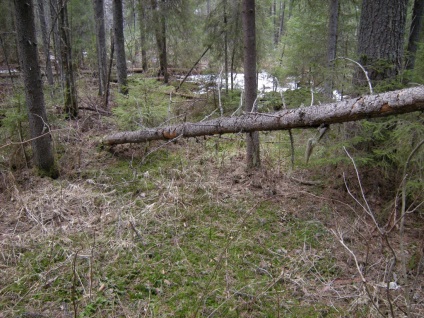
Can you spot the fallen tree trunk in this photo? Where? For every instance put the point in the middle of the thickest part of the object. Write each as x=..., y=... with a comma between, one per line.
x=371, y=106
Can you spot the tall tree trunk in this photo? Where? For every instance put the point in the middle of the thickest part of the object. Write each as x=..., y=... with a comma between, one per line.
x=381, y=39
x=46, y=41
x=57, y=62
x=99, y=16
x=373, y=106
x=281, y=27
x=118, y=31
x=236, y=35
x=332, y=45
x=275, y=22
x=70, y=92
x=250, y=83
x=28, y=56
x=225, y=47
x=160, y=33
x=142, y=22
x=163, y=55
x=414, y=33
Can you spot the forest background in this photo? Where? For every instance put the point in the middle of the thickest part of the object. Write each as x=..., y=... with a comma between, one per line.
x=315, y=222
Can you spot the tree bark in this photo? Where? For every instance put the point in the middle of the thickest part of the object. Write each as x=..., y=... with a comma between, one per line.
x=54, y=18
x=46, y=41
x=381, y=39
x=28, y=56
x=371, y=106
x=250, y=83
x=121, y=62
x=160, y=34
x=70, y=92
x=142, y=23
x=414, y=33
x=99, y=16
x=332, y=45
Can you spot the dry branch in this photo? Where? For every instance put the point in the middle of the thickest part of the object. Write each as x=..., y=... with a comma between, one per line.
x=371, y=106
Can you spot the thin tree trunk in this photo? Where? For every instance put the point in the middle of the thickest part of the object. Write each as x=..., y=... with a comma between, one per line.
x=192, y=68
x=282, y=11
x=99, y=16
x=371, y=106
x=142, y=22
x=332, y=45
x=118, y=31
x=28, y=56
x=46, y=41
x=163, y=56
x=54, y=16
x=236, y=31
x=160, y=33
x=6, y=60
x=70, y=92
x=225, y=47
x=250, y=83
x=414, y=33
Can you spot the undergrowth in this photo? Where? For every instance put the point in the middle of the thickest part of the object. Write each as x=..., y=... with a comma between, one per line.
x=182, y=229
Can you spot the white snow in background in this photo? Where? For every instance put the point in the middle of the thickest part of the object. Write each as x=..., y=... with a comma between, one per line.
x=266, y=82
x=7, y=71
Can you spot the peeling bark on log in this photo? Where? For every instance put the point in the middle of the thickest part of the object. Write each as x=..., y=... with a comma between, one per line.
x=371, y=106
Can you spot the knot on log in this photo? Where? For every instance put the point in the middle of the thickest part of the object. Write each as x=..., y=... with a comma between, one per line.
x=167, y=134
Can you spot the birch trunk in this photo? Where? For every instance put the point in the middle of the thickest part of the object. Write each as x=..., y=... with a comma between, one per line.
x=371, y=106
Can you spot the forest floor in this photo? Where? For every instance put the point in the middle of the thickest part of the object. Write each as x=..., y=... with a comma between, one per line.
x=182, y=229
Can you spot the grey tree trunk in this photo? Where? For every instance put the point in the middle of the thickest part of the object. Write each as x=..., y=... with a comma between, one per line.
x=46, y=41
x=70, y=92
x=118, y=31
x=142, y=23
x=372, y=106
x=250, y=83
x=160, y=33
x=281, y=27
x=332, y=44
x=381, y=39
x=28, y=57
x=414, y=33
x=54, y=17
x=99, y=16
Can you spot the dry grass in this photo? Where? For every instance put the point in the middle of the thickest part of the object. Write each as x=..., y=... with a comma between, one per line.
x=187, y=232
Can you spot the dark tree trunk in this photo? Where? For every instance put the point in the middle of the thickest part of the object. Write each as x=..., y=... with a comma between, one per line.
x=414, y=33
x=381, y=39
x=163, y=55
x=46, y=41
x=332, y=44
x=250, y=83
x=142, y=22
x=101, y=44
x=54, y=17
x=28, y=57
x=281, y=27
x=236, y=35
x=70, y=92
x=121, y=62
x=160, y=33
x=225, y=47
x=275, y=22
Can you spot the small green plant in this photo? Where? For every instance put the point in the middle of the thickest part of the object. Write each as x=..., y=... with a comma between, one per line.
x=147, y=105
